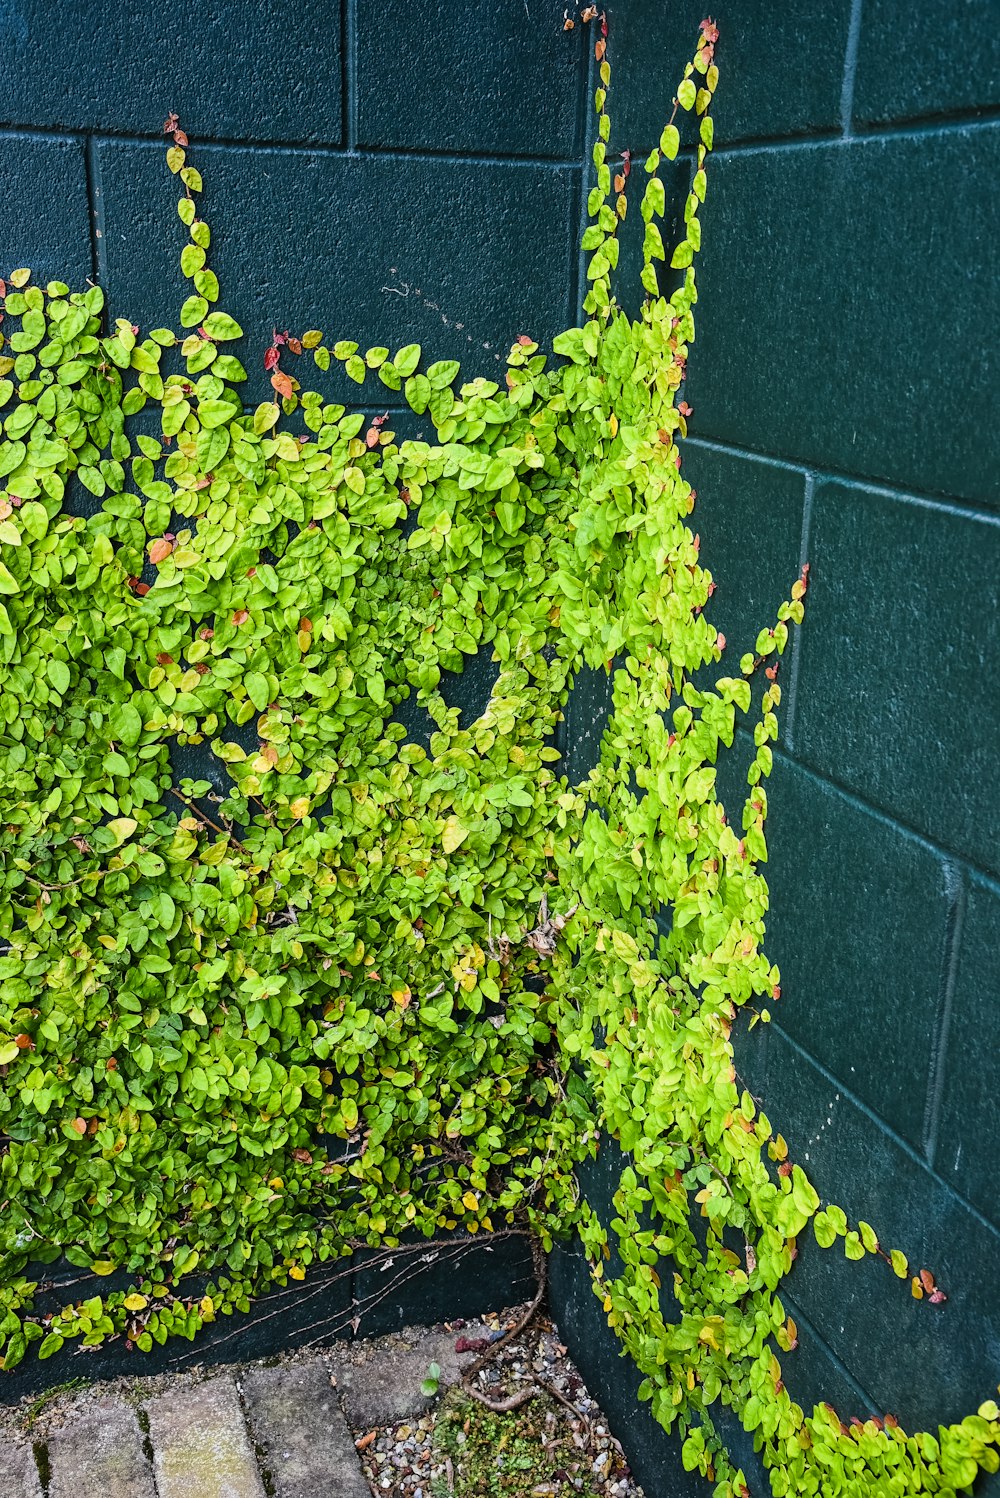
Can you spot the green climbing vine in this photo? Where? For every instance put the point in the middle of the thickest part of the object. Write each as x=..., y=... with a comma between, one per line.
x=355, y=981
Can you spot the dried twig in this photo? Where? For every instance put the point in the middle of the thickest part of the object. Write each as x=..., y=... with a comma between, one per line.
x=512, y=1402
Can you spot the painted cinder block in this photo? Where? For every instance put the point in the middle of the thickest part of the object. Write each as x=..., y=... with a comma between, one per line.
x=857, y=924
x=231, y=71
x=780, y=67
x=446, y=77
x=926, y=1364
x=46, y=219
x=748, y=514
x=459, y=258
x=898, y=694
x=968, y=1131
x=918, y=60
x=843, y=315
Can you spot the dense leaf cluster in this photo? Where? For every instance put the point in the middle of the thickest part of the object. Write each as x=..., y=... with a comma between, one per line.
x=356, y=981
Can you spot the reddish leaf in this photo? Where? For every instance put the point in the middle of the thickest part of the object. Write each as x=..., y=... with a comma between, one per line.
x=24, y=1042
x=80, y=1125
x=785, y=1168
x=141, y=589
x=163, y=659
x=524, y=340
x=685, y=409
x=240, y=616
x=295, y=344
x=927, y=1280
x=159, y=550
x=112, y=1064
x=170, y=124
x=472, y=1344
x=206, y=634
x=282, y=383
x=271, y=357
x=303, y=1156
x=709, y=30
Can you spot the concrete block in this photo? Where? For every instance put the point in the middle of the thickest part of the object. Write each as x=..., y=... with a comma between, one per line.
x=201, y=1448
x=296, y=1420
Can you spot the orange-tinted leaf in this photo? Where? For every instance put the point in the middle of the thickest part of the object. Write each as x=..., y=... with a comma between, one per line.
x=159, y=550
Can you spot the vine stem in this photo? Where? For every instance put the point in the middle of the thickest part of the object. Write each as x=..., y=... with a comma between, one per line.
x=516, y=1330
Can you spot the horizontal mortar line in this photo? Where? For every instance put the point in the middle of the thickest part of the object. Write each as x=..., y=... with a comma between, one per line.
x=876, y=1118
x=949, y=504
x=799, y=1315
x=948, y=119
x=290, y=147
x=983, y=876
x=427, y=153
x=888, y=819
x=861, y=137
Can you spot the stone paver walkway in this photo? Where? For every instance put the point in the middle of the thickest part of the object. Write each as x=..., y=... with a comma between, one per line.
x=281, y=1431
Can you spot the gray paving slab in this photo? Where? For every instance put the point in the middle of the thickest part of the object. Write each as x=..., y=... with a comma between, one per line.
x=297, y=1423
x=18, y=1473
x=380, y=1382
x=100, y=1455
x=201, y=1448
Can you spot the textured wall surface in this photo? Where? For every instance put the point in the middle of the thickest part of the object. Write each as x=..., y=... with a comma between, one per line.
x=392, y=172
x=842, y=382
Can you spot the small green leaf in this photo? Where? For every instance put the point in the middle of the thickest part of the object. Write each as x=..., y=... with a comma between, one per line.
x=407, y=359
x=58, y=674
x=193, y=310
x=455, y=832
x=221, y=328
x=670, y=142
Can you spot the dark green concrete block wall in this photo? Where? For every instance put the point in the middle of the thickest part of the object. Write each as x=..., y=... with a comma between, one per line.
x=843, y=382
x=394, y=172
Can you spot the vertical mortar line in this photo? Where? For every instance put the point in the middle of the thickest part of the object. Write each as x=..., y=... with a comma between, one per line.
x=95, y=208
x=349, y=72
x=256, y=1446
x=850, y=69
x=793, y=675
x=956, y=891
